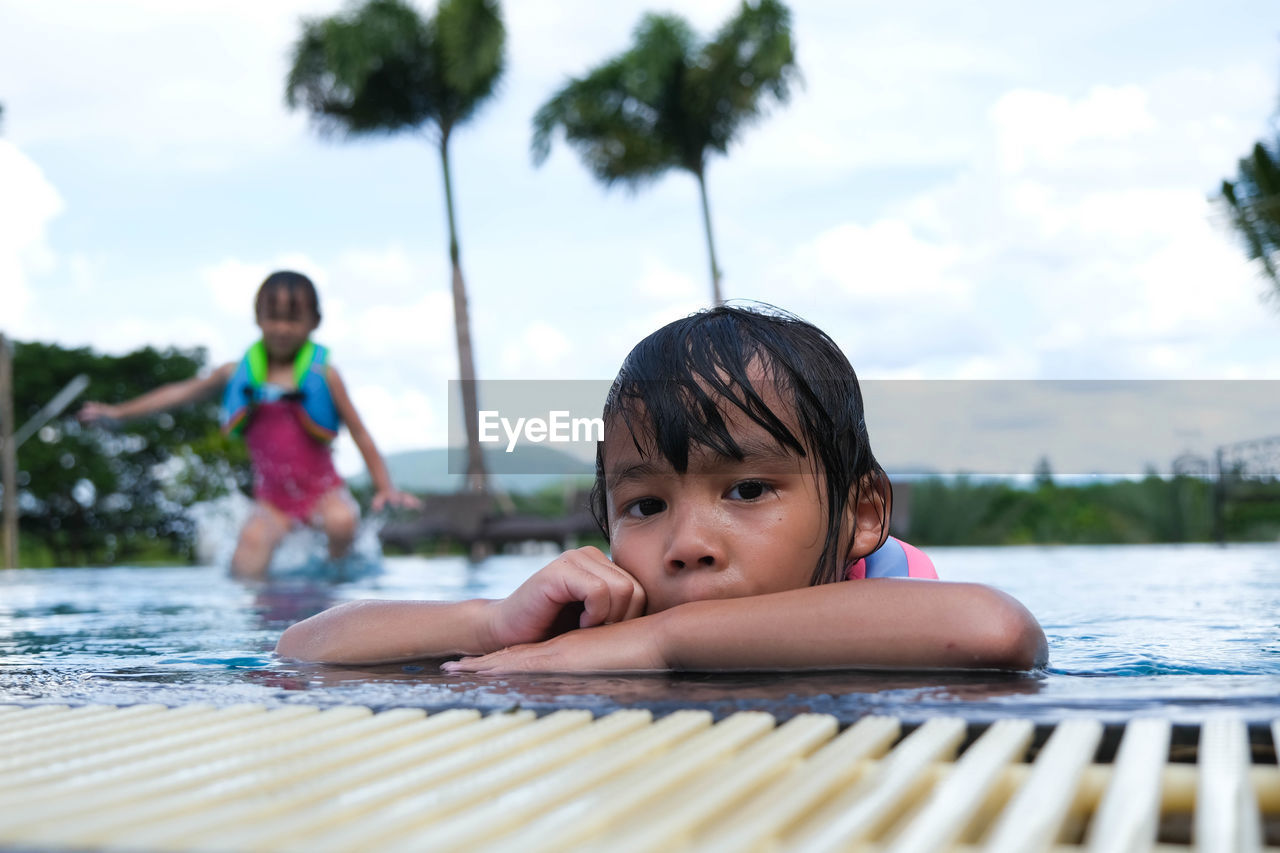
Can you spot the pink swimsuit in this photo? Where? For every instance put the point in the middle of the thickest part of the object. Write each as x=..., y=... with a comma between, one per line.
x=291, y=470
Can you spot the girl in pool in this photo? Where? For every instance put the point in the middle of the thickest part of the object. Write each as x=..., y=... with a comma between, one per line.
x=747, y=521
x=288, y=401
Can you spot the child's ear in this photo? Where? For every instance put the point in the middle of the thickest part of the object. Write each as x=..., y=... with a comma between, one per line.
x=868, y=515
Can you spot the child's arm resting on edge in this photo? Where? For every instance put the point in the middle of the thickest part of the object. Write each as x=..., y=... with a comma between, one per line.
x=885, y=623
x=383, y=491
x=369, y=632
x=160, y=399
x=391, y=631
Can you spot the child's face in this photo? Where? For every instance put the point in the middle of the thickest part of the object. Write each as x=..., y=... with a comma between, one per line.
x=723, y=529
x=286, y=324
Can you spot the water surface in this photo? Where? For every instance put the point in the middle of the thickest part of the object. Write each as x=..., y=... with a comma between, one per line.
x=1181, y=632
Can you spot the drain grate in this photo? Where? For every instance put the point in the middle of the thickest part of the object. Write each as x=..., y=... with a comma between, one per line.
x=245, y=777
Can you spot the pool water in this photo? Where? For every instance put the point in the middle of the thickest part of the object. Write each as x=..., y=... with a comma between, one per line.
x=1181, y=632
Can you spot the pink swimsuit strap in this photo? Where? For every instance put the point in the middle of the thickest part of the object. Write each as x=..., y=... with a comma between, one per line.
x=893, y=559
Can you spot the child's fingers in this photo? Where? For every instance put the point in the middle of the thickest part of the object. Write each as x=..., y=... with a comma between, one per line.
x=584, y=576
x=604, y=597
x=401, y=500
x=608, y=594
x=92, y=411
x=631, y=601
x=628, y=647
x=482, y=664
x=639, y=601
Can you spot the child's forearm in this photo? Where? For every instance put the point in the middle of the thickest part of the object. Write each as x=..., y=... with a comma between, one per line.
x=160, y=399
x=880, y=623
x=373, y=461
x=173, y=395
x=876, y=623
x=379, y=476
x=370, y=632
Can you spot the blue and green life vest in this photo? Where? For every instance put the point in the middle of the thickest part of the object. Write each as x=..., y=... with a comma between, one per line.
x=248, y=387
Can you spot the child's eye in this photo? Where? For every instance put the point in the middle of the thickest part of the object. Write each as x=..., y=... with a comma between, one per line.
x=646, y=507
x=749, y=490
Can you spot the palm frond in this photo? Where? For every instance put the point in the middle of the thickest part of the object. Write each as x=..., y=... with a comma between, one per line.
x=610, y=127
x=668, y=101
x=750, y=62
x=1252, y=203
x=381, y=67
x=470, y=49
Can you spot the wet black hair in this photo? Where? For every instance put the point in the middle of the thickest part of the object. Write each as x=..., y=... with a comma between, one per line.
x=673, y=385
x=299, y=290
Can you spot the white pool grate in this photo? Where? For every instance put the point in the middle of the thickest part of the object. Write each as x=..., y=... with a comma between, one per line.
x=298, y=778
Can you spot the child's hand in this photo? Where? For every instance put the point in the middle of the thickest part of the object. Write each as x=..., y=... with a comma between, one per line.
x=584, y=580
x=92, y=412
x=634, y=646
x=395, y=498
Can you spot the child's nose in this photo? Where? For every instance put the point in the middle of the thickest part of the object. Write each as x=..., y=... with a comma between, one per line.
x=694, y=542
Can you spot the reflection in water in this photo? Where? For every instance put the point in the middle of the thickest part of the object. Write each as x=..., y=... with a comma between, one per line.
x=278, y=604
x=847, y=694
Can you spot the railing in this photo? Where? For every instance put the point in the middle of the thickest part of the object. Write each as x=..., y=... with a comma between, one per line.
x=1246, y=471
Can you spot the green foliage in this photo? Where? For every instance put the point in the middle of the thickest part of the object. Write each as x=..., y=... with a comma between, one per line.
x=382, y=68
x=92, y=494
x=962, y=512
x=668, y=101
x=552, y=501
x=1252, y=202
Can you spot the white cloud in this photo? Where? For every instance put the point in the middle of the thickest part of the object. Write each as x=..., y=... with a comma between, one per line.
x=858, y=106
x=391, y=272
x=28, y=204
x=659, y=282
x=885, y=261
x=1046, y=129
x=539, y=352
x=397, y=418
x=232, y=283
x=408, y=330
x=1062, y=250
x=152, y=81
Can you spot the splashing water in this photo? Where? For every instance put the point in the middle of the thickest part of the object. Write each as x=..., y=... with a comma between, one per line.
x=303, y=552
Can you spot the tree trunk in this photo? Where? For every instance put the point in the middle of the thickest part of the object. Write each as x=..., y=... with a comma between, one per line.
x=716, y=297
x=476, y=480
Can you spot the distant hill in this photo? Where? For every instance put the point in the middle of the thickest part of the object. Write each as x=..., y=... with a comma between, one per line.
x=532, y=469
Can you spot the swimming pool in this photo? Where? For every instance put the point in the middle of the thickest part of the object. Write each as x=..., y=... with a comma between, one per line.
x=1180, y=632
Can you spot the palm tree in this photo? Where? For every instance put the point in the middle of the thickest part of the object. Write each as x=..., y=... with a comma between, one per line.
x=1252, y=202
x=670, y=101
x=381, y=68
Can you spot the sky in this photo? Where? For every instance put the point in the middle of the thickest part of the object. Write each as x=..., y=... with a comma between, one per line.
x=996, y=190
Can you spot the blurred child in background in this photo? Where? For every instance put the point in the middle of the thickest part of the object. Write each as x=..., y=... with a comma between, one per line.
x=287, y=400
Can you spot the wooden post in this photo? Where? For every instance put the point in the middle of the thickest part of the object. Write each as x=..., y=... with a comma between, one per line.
x=8, y=458
x=1220, y=501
